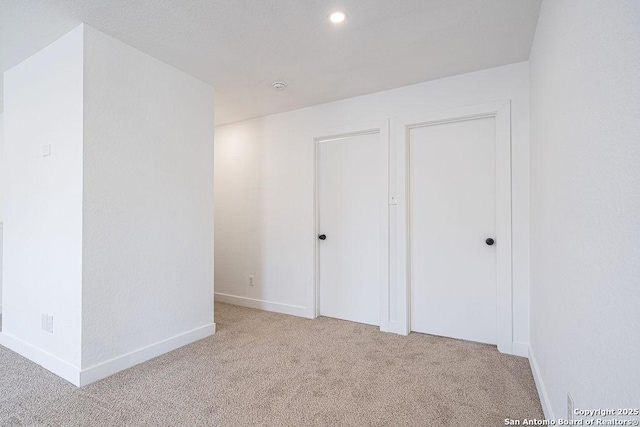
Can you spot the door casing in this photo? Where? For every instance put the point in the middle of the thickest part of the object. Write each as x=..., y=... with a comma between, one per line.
x=400, y=243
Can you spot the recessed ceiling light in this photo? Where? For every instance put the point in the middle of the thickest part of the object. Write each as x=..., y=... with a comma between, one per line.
x=337, y=17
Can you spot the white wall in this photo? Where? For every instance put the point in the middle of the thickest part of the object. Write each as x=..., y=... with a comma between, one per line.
x=264, y=187
x=43, y=199
x=1, y=201
x=585, y=204
x=148, y=201
x=113, y=233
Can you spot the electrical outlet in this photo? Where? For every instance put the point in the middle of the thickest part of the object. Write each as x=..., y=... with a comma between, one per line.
x=251, y=280
x=46, y=322
x=569, y=407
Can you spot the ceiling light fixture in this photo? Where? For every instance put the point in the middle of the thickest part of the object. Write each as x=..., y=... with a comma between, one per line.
x=337, y=17
x=279, y=86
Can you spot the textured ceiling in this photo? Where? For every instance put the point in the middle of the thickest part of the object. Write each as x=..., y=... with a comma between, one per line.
x=241, y=46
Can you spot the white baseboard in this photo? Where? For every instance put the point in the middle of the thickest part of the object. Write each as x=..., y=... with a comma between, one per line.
x=83, y=377
x=42, y=358
x=520, y=349
x=120, y=363
x=277, y=307
x=542, y=391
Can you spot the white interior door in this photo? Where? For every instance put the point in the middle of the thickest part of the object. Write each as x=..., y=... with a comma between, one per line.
x=452, y=190
x=349, y=198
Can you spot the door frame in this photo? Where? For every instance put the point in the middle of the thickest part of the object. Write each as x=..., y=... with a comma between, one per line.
x=380, y=127
x=400, y=186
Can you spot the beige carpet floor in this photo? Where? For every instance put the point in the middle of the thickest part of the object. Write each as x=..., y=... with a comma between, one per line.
x=269, y=369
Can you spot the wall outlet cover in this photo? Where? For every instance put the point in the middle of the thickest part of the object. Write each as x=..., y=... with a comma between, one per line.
x=46, y=322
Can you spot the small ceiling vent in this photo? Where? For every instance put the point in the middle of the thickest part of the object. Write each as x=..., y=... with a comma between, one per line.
x=279, y=86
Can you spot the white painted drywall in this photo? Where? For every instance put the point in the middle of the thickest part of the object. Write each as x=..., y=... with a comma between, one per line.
x=264, y=187
x=148, y=201
x=585, y=204
x=42, y=256
x=112, y=233
x=1, y=201
x=1, y=238
x=1, y=167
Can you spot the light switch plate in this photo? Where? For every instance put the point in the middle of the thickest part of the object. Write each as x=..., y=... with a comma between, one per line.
x=46, y=150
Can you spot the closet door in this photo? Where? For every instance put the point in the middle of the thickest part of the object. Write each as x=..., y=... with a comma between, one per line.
x=350, y=227
x=452, y=196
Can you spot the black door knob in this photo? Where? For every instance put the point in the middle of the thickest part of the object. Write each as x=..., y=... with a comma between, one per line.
x=490, y=241
x=322, y=237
